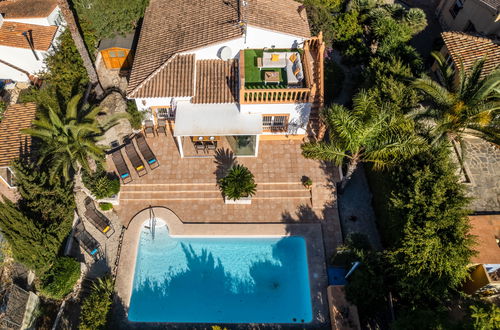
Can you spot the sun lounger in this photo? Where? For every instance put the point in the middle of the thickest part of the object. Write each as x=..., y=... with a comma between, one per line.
x=97, y=218
x=87, y=242
x=121, y=166
x=149, y=127
x=135, y=159
x=146, y=151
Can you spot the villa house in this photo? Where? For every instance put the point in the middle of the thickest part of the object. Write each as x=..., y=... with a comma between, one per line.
x=227, y=73
x=480, y=16
x=28, y=31
x=13, y=144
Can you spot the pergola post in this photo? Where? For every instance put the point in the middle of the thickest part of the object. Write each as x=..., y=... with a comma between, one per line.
x=179, y=144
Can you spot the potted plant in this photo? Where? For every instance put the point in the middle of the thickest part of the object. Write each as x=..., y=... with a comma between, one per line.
x=307, y=182
x=238, y=186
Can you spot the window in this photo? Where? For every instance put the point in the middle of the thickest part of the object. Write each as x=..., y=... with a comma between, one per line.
x=120, y=53
x=455, y=9
x=112, y=54
x=274, y=123
x=167, y=113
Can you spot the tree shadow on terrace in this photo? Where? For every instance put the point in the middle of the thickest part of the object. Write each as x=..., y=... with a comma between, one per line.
x=224, y=160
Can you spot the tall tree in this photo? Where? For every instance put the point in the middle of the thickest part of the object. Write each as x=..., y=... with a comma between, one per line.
x=70, y=138
x=80, y=45
x=469, y=106
x=367, y=133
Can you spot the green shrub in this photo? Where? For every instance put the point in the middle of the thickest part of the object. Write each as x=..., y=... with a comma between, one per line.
x=96, y=306
x=135, y=116
x=238, y=183
x=334, y=80
x=60, y=278
x=485, y=316
x=101, y=183
x=105, y=206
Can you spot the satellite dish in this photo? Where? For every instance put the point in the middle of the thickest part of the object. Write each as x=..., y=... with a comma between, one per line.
x=225, y=53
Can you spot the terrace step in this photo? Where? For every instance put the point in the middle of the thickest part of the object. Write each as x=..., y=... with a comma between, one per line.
x=183, y=192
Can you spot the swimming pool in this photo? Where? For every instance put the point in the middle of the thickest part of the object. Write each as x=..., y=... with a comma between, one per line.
x=220, y=280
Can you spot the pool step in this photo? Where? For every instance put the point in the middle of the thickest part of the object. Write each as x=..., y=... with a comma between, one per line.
x=179, y=192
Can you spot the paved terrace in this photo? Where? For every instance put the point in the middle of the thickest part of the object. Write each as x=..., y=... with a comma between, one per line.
x=187, y=186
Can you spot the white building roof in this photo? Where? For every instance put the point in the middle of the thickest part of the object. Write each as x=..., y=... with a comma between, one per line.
x=214, y=120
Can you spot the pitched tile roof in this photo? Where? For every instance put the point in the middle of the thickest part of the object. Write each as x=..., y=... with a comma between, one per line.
x=27, y=8
x=12, y=142
x=467, y=49
x=11, y=35
x=174, y=78
x=174, y=26
x=287, y=16
x=216, y=81
x=492, y=3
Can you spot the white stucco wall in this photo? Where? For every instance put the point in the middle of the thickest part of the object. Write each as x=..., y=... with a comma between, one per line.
x=255, y=38
x=52, y=19
x=298, y=114
x=22, y=58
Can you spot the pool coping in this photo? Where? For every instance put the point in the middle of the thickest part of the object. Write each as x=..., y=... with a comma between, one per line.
x=311, y=232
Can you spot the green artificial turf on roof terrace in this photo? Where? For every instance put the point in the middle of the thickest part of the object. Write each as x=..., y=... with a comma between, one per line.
x=254, y=78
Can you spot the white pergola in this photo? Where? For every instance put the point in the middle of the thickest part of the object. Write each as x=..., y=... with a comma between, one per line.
x=214, y=120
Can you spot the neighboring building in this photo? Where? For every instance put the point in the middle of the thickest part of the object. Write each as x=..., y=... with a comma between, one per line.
x=118, y=52
x=480, y=166
x=462, y=48
x=485, y=274
x=17, y=307
x=472, y=16
x=28, y=30
x=13, y=144
x=232, y=72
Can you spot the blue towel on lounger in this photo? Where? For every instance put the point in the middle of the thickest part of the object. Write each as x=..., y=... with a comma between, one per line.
x=93, y=252
x=151, y=161
x=124, y=175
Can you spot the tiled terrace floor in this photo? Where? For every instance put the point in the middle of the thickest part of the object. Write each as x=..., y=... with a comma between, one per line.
x=188, y=187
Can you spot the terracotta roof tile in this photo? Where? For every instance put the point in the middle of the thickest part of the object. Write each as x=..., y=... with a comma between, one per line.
x=216, y=81
x=467, y=48
x=174, y=26
x=492, y=3
x=486, y=227
x=16, y=118
x=27, y=8
x=285, y=16
x=11, y=35
x=174, y=78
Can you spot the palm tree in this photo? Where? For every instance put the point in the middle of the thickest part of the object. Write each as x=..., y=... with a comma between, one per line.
x=467, y=105
x=80, y=46
x=70, y=138
x=367, y=133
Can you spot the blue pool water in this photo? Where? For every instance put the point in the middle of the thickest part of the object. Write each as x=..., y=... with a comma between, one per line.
x=220, y=280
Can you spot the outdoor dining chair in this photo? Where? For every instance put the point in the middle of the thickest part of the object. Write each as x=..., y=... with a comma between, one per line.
x=162, y=127
x=199, y=146
x=211, y=146
x=149, y=127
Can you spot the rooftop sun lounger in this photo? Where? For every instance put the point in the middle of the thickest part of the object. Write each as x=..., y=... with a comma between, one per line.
x=87, y=242
x=135, y=159
x=97, y=218
x=121, y=166
x=146, y=151
x=149, y=127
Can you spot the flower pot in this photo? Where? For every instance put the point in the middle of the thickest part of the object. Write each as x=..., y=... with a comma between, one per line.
x=242, y=200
